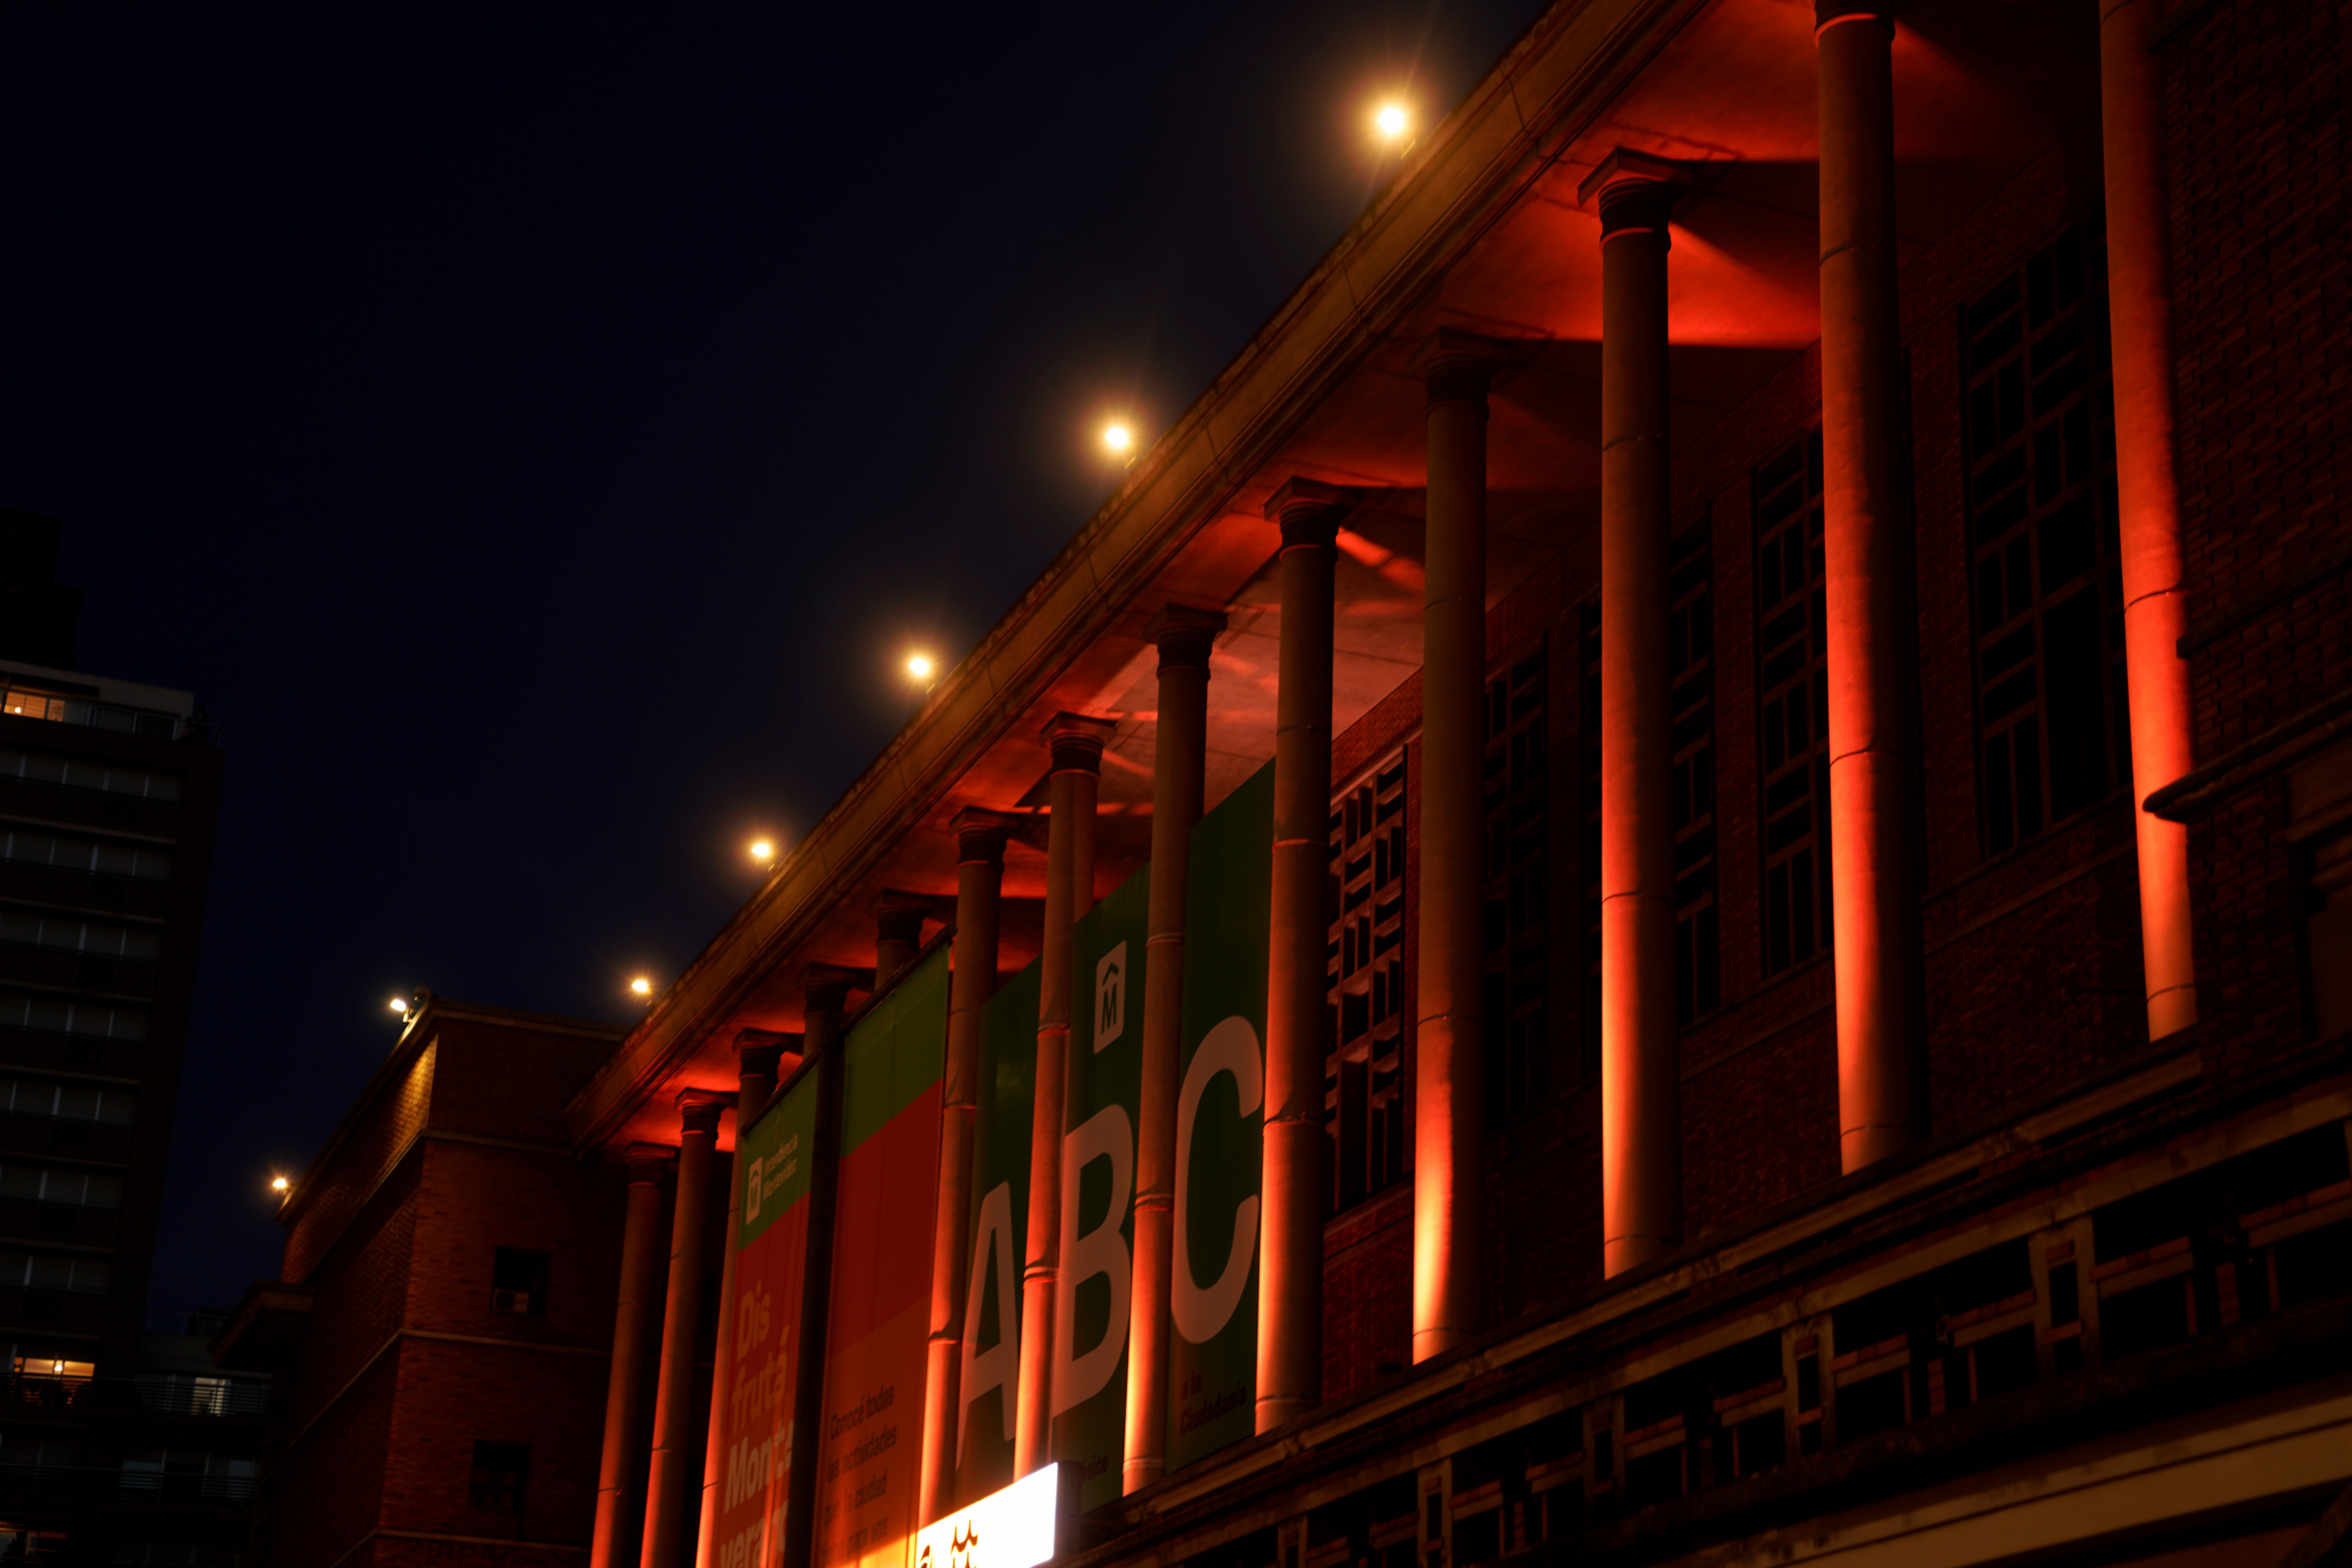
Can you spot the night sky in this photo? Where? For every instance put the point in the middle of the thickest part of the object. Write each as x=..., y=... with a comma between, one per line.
x=538, y=437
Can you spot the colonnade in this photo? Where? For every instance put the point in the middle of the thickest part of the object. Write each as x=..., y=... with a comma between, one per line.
x=1875, y=834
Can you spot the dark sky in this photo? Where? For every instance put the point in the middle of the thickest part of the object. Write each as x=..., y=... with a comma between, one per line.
x=538, y=436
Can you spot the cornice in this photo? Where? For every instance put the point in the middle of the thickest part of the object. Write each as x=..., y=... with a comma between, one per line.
x=1472, y=169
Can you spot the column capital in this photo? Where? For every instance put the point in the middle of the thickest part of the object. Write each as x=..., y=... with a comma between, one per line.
x=980, y=834
x=1828, y=14
x=1076, y=742
x=825, y=987
x=758, y=1052
x=646, y=1161
x=1309, y=512
x=1458, y=366
x=698, y=1110
x=1184, y=634
x=1635, y=192
x=899, y=915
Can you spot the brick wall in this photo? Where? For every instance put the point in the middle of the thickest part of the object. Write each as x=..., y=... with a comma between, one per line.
x=2256, y=142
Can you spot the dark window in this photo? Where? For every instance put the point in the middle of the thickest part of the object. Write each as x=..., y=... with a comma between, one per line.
x=1698, y=965
x=1792, y=683
x=2053, y=729
x=519, y=1283
x=1363, y=1086
x=1516, y=1012
x=1588, y=792
x=500, y=1472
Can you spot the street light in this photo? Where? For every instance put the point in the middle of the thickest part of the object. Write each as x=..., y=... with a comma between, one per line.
x=921, y=665
x=1392, y=119
x=641, y=986
x=399, y=1004
x=762, y=851
x=278, y=1184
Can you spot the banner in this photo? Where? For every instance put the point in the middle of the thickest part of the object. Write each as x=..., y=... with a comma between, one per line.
x=1097, y=1242
x=1219, y=1119
x=991, y=1374
x=770, y=1241
x=879, y=1322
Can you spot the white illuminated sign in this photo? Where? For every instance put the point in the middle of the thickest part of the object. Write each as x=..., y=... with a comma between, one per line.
x=1010, y=1529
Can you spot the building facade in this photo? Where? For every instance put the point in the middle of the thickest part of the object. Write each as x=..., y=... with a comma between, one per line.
x=1745, y=692
x=442, y=1324
x=108, y=795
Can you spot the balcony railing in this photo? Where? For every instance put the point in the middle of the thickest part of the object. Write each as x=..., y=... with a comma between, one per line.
x=37, y=1485
x=163, y=1393
x=21, y=703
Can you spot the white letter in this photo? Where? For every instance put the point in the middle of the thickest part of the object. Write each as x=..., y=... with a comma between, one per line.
x=999, y=1366
x=1232, y=1047
x=1106, y=1135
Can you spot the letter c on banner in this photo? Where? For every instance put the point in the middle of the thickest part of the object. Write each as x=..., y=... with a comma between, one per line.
x=1232, y=1047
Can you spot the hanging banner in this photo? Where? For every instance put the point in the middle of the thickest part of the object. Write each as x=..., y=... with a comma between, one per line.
x=991, y=1374
x=879, y=1322
x=1219, y=1119
x=1097, y=1242
x=770, y=1241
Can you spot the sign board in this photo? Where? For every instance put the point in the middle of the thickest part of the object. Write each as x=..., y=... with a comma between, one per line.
x=1220, y=1121
x=991, y=1374
x=870, y=1445
x=1102, y=1108
x=1009, y=1529
x=774, y=1159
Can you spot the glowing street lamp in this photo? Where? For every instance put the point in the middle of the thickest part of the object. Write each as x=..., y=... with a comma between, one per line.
x=641, y=986
x=1118, y=436
x=399, y=1004
x=761, y=850
x=921, y=665
x=1392, y=120
x=278, y=1184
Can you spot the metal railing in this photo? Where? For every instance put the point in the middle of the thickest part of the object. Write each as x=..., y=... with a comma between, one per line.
x=165, y=1394
x=25, y=704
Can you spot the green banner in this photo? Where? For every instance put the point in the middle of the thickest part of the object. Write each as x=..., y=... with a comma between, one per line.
x=1220, y=1121
x=1097, y=1241
x=990, y=1377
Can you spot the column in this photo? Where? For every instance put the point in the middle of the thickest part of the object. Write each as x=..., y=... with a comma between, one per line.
x=1179, y=756
x=825, y=989
x=1075, y=744
x=980, y=885
x=669, y=1490
x=625, y=1386
x=758, y=1053
x=1875, y=852
x=898, y=934
x=1290, y=1281
x=2156, y=611
x=1449, y=1059
x=1641, y=1078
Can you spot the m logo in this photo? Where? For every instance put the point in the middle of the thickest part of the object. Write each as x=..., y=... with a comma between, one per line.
x=1111, y=996
x=751, y=1193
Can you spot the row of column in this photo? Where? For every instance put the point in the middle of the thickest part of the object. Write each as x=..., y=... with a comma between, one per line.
x=1875, y=830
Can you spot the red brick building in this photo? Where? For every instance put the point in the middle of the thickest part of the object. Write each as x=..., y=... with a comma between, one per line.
x=1790, y=575
x=442, y=1327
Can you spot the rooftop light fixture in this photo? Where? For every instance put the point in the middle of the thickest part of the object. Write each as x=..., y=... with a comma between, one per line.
x=921, y=665
x=1118, y=436
x=278, y=1184
x=761, y=850
x=1392, y=120
x=399, y=1004
x=641, y=986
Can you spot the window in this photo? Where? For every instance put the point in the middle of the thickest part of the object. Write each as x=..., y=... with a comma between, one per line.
x=68, y=1102
x=82, y=855
x=33, y=1271
x=500, y=1471
x=1363, y=1087
x=72, y=1018
x=84, y=1189
x=519, y=1283
x=1792, y=685
x=1519, y=975
x=2053, y=727
x=1699, y=964
x=187, y=1476
x=112, y=778
x=76, y=936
